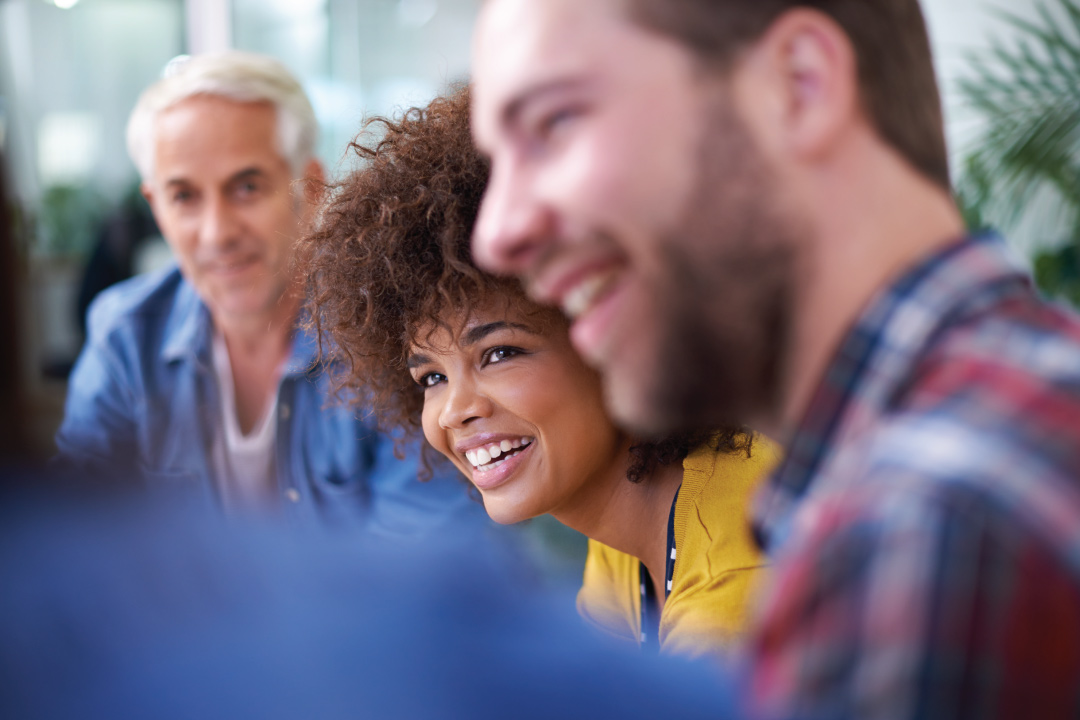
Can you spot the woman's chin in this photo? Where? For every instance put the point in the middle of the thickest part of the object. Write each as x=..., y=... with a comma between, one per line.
x=506, y=514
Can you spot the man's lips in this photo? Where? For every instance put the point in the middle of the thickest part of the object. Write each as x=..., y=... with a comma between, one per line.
x=588, y=292
x=229, y=266
x=575, y=286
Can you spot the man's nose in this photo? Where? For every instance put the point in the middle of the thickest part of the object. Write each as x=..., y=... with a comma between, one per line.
x=218, y=225
x=464, y=402
x=513, y=225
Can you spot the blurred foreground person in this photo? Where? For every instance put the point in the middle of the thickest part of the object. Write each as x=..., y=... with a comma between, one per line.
x=196, y=379
x=489, y=377
x=745, y=208
x=118, y=610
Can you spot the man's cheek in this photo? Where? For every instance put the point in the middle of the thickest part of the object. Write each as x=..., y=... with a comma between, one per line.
x=593, y=179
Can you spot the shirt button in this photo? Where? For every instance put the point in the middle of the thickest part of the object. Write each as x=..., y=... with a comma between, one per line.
x=285, y=412
x=292, y=495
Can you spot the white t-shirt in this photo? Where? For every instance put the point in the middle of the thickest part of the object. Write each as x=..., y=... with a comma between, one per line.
x=243, y=465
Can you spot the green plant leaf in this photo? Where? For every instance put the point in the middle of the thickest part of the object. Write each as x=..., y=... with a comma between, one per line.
x=1028, y=93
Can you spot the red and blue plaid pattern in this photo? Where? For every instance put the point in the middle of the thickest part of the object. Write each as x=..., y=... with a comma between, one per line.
x=926, y=521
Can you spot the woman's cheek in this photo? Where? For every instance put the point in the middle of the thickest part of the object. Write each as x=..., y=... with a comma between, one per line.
x=429, y=419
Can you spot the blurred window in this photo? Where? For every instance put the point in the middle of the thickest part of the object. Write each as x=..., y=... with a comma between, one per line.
x=360, y=57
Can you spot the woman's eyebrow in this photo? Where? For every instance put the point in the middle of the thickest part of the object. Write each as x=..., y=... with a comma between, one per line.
x=478, y=333
x=471, y=337
x=416, y=361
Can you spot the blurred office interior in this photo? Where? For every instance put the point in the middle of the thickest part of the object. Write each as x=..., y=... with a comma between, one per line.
x=71, y=70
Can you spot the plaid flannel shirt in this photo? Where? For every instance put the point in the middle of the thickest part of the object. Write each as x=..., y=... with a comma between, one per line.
x=926, y=522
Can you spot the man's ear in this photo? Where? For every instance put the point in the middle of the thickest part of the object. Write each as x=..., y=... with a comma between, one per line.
x=148, y=193
x=808, y=64
x=314, y=181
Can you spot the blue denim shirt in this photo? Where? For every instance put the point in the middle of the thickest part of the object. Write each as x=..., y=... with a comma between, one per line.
x=143, y=400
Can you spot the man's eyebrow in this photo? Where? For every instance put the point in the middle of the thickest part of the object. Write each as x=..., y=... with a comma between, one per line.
x=247, y=173
x=517, y=104
x=416, y=360
x=478, y=333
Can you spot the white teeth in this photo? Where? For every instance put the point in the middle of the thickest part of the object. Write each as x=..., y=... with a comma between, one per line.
x=489, y=456
x=585, y=293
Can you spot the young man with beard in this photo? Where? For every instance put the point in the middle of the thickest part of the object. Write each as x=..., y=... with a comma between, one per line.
x=200, y=380
x=745, y=207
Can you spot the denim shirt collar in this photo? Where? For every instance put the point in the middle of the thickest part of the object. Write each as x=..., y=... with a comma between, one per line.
x=875, y=360
x=304, y=359
x=190, y=331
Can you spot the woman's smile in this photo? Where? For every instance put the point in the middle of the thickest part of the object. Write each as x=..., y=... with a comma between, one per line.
x=510, y=401
x=494, y=463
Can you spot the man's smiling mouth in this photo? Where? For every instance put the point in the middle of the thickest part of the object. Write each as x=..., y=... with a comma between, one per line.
x=588, y=291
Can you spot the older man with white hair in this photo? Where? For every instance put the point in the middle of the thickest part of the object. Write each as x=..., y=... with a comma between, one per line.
x=198, y=378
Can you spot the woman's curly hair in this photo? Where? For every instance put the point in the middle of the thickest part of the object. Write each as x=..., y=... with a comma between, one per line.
x=391, y=257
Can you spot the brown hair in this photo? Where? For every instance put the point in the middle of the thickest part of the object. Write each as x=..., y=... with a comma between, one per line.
x=391, y=258
x=897, y=85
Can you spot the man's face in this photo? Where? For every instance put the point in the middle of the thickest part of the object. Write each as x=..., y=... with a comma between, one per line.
x=625, y=189
x=222, y=194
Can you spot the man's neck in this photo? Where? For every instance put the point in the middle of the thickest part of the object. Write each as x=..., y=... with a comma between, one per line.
x=873, y=221
x=259, y=348
x=259, y=333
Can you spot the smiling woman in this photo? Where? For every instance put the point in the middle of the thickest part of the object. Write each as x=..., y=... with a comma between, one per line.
x=505, y=398
x=491, y=380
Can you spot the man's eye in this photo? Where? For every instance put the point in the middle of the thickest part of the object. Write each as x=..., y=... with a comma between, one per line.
x=498, y=354
x=247, y=189
x=182, y=197
x=551, y=124
x=555, y=120
x=431, y=379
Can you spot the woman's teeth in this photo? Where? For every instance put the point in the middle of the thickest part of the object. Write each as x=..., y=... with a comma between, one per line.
x=487, y=458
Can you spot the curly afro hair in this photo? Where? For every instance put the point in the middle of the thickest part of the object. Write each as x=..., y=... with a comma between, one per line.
x=390, y=258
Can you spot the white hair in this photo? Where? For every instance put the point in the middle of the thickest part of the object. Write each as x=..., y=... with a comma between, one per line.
x=233, y=75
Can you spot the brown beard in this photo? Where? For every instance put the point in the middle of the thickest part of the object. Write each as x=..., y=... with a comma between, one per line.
x=725, y=291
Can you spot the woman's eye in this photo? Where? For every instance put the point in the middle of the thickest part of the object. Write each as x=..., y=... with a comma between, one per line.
x=498, y=354
x=431, y=380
